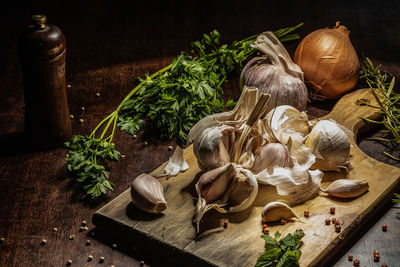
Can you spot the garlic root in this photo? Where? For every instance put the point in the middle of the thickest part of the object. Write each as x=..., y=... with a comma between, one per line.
x=343, y=188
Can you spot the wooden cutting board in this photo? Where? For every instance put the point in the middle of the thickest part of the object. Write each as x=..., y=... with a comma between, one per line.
x=171, y=237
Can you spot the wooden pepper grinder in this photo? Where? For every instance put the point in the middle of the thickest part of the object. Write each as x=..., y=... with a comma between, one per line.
x=42, y=51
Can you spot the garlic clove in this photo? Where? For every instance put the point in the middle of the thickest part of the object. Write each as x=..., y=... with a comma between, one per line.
x=344, y=188
x=275, y=211
x=330, y=144
x=176, y=163
x=147, y=194
x=270, y=155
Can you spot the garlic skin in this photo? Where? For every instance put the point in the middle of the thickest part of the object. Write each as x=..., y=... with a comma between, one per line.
x=344, y=188
x=275, y=73
x=270, y=155
x=330, y=144
x=275, y=211
x=176, y=163
x=148, y=194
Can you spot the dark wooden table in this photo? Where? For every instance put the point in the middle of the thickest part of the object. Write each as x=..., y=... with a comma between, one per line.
x=108, y=45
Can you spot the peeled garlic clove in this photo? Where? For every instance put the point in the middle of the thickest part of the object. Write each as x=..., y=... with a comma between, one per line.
x=147, y=194
x=269, y=156
x=330, y=144
x=275, y=211
x=344, y=188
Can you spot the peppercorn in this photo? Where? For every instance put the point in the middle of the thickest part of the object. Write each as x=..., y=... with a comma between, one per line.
x=146, y=143
x=90, y=258
x=337, y=222
x=264, y=226
x=101, y=259
x=2, y=240
x=350, y=257
x=84, y=223
x=69, y=262
x=69, y=86
x=83, y=108
x=81, y=120
x=356, y=263
x=299, y=230
x=338, y=228
x=97, y=94
x=71, y=237
x=225, y=224
x=141, y=263
x=88, y=242
x=384, y=227
x=81, y=229
x=376, y=256
x=55, y=229
x=333, y=220
x=332, y=210
x=43, y=242
x=327, y=221
x=384, y=265
x=134, y=136
x=169, y=148
x=114, y=246
x=71, y=116
x=306, y=213
x=283, y=222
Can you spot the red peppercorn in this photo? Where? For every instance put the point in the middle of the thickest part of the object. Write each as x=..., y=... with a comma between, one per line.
x=299, y=230
x=377, y=257
x=356, y=263
x=328, y=221
x=332, y=210
x=350, y=257
x=384, y=227
x=333, y=220
x=225, y=224
x=337, y=222
x=283, y=222
x=264, y=226
x=384, y=265
x=306, y=213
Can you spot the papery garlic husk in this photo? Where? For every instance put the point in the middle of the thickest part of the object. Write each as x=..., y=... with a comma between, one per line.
x=299, y=184
x=229, y=188
x=275, y=73
x=275, y=211
x=344, y=188
x=148, y=194
x=176, y=163
x=330, y=144
x=270, y=155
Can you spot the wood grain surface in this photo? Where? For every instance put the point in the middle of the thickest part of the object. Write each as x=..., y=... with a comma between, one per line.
x=175, y=231
x=109, y=43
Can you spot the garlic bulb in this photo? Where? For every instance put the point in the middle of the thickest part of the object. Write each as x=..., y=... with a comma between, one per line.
x=229, y=188
x=329, y=61
x=274, y=73
x=330, y=144
x=344, y=188
x=275, y=211
x=147, y=194
x=270, y=155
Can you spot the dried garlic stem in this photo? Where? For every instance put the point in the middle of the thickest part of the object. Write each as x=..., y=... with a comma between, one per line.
x=255, y=115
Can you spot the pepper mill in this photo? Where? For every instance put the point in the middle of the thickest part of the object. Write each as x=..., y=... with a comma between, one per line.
x=42, y=51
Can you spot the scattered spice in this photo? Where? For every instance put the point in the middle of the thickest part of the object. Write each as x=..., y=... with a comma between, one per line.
x=2, y=240
x=384, y=227
x=384, y=265
x=55, y=229
x=266, y=231
x=69, y=262
x=306, y=213
x=338, y=228
x=356, y=263
x=332, y=210
x=134, y=136
x=71, y=116
x=226, y=224
x=114, y=246
x=146, y=143
x=69, y=86
x=350, y=257
x=88, y=242
x=101, y=259
x=90, y=258
x=333, y=220
x=71, y=237
x=84, y=223
x=283, y=222
x=83, y=108
x=81, y=120
x=44, y=242
x=264, y=226
x=141, y=263
x=337, y=222
x=327, y=221
x=169, y=148
x=81, y=229
x=299, y=230
x=377, y=257
x=98, y=94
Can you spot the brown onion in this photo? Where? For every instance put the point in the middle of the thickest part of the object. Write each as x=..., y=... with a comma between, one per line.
x=329, y=61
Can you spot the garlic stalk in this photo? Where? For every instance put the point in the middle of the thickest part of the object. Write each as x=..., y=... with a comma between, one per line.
x=275, y=73
x=330, y=144
x=275, y=211
x=147, y=194
x=344, y=188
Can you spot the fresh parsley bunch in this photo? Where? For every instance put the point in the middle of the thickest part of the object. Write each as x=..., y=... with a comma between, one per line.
x=169, y=102
x=284, y=252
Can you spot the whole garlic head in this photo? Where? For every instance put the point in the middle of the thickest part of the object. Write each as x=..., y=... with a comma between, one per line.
x=330, y=144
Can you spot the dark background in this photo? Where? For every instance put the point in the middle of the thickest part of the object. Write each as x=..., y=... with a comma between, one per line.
x=108, y=45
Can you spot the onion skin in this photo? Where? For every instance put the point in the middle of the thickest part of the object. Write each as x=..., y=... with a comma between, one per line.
x=329, y=61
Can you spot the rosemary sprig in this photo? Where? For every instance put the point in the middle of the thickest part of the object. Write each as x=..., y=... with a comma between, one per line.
x=387, y=99
x=169, y=101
